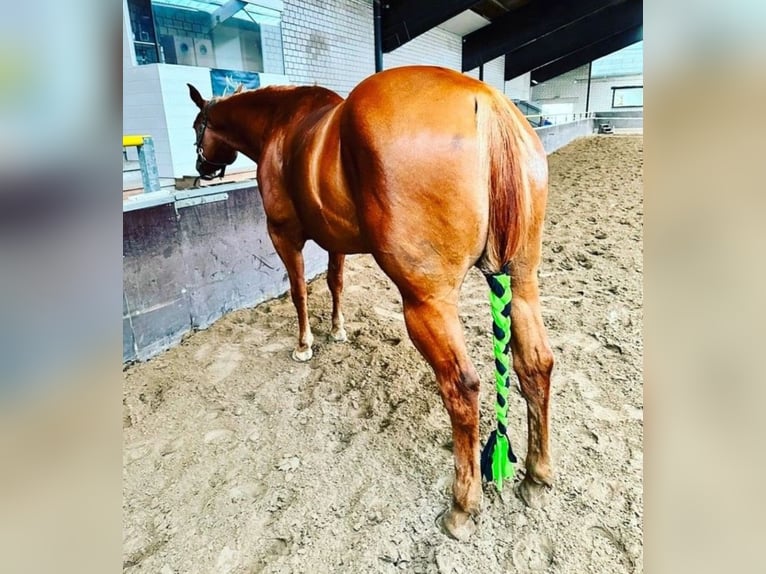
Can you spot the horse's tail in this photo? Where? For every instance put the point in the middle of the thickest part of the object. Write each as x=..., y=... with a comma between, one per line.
x=512, y=156
x=507, y=147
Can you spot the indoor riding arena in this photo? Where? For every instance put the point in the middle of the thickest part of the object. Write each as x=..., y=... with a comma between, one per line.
x=239, y=459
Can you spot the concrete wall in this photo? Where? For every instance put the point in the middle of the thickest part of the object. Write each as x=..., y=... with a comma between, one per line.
x=555, y=137
x=629, y=113
x=186, y=266
x=620, y=121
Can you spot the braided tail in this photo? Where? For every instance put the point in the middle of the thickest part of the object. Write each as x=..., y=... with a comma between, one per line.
x=497, y=457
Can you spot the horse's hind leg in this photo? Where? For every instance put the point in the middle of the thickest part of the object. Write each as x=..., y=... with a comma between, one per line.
x=288, y=245
x=335, y=283
x=533, y=362
x=435, y=329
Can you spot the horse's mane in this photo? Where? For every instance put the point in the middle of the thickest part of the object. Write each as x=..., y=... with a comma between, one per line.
x=281, y=104
x=261, y=109
x=269, y=94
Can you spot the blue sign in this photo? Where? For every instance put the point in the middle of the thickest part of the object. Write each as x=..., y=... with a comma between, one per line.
x=226, y=81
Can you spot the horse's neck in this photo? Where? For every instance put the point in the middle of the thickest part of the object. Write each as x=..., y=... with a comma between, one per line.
x=255, y=120
x=245, y=126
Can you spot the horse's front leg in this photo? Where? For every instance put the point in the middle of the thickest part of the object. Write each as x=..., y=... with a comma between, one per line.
x=434, y=327
x=288, y=243
x=335, y=283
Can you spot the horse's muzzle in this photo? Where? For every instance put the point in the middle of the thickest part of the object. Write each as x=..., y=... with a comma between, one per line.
x=207, y=170
x=203, y=168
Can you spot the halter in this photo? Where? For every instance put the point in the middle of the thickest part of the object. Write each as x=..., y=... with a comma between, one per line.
x=201, y=153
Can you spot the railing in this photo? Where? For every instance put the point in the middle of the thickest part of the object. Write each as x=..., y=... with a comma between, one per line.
x=146, y=159
x=542, y=120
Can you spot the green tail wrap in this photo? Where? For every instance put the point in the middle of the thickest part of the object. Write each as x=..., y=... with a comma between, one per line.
x=497, y=458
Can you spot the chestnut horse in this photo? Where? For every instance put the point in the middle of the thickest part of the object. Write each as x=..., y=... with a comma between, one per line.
x=432, y=172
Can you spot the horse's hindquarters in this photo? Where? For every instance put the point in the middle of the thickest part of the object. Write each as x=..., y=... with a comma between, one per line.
x=414, y=165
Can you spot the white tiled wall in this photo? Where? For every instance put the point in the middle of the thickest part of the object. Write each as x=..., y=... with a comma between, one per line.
x=494, y=72
x=435, y=48
x=518, y=88
x=329, y=43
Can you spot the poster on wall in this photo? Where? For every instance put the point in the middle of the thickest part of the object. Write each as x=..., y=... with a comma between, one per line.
x=226, y=81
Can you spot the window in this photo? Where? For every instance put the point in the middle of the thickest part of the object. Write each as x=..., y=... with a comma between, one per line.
x=237, y=35
x=628, y=97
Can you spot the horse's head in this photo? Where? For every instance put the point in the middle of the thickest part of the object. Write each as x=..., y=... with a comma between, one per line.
x=213, y=153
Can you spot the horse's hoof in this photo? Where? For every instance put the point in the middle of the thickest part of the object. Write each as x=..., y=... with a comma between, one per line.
x=534, y=494
x=458, y=524
x=338, y=335
x=302, y=356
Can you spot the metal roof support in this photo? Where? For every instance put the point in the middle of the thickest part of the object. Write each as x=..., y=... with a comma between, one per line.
x=587, y=54
x=599, y=26
x=523, y=25
x=376, y=14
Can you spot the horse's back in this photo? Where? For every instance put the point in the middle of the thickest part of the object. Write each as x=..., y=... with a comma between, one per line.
x=414, y=100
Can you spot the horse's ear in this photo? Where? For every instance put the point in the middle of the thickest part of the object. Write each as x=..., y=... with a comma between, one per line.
x=196, y=97
x=239, y=88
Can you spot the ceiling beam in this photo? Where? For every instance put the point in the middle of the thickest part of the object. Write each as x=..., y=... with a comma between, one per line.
x=598, y=26
x=403, y=20
x=518, y=27
x=587, y=54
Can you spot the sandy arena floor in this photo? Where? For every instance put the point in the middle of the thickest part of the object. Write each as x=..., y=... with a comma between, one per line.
x=239, y=460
